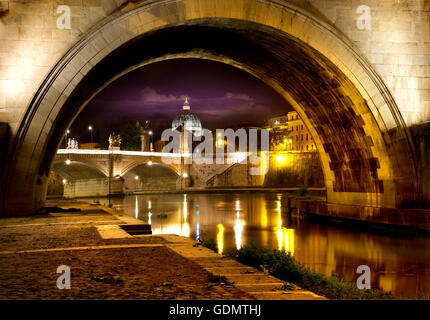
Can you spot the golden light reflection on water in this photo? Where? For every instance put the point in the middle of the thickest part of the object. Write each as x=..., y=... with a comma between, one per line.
x=285, y=236
x=234, y=220
x=185, y=225
x=263, y=217
x=289, y=240
x=136, y=210
x=286, y=240
x=238, y=228
x=220, y=238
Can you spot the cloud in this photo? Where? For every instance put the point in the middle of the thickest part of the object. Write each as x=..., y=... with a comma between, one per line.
x=237, y=96
x=149, y=95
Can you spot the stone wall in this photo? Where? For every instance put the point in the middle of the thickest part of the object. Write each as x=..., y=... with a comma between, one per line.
x=422, y=144
x=295, y=169
x=4, y=135
x=149, y=184
x=55, y=185
x=201, y=173
x=396, y=42
x=92, y=188
x=236, y=176
x=287, y=169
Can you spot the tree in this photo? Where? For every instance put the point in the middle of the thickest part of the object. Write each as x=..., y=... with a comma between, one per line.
x=130, y=136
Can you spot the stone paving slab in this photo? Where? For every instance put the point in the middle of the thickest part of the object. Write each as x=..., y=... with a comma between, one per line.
x=112, y=232
x=256, y=283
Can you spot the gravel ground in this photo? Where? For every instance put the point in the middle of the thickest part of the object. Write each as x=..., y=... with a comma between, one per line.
x=126, y=273
x=104, y=273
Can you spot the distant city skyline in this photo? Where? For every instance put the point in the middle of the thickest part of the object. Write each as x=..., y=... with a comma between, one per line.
x=220, y=95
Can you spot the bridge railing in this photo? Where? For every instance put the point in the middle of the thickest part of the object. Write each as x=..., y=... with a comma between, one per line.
x=235, y=157
x=121, y=152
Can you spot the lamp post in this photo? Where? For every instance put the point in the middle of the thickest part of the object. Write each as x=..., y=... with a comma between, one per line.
x=91, y=131
x=67, y=136
x=150, y=141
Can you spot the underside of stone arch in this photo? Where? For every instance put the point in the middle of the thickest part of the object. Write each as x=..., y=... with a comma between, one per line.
x=364, y=150
x=172, y=168
x=76, y=170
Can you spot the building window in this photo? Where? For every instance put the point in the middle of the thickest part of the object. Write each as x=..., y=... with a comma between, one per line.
x=306, y=137
x=307, y=147
x=301, y=136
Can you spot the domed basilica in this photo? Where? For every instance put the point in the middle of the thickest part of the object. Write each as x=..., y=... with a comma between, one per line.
x=187, y=120
x=188, y=125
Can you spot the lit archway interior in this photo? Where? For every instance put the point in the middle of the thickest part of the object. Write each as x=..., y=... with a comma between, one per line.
x=363, y=162
x=150, y=177
x=76, y=171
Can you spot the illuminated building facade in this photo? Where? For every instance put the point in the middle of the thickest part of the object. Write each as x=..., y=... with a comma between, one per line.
x=288, y=133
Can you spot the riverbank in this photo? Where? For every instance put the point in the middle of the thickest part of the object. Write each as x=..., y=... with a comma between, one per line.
x=283, y=266
x=108, y=263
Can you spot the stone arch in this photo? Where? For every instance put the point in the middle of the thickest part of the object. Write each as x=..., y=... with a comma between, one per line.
x=85, y=170
x=91, y=161
x=364, y=146
x=130, y=166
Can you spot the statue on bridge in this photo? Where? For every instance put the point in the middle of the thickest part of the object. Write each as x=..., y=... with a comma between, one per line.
x=114, y=141
x=72, y=144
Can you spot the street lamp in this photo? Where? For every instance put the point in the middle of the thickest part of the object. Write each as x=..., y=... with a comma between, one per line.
x=136, y=179
x=91, y=131
x=149, y=163
x=150, y=141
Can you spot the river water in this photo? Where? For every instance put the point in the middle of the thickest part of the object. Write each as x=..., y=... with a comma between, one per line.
x=398, y=263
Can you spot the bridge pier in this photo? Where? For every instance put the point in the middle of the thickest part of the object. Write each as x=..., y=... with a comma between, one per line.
x=4, y=139
x=94, y=188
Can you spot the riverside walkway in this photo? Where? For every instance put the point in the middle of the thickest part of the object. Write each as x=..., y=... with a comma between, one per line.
x=108, y=263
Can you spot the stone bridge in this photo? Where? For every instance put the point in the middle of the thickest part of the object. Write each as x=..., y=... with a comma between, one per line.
x=358, y=73
x=116, y=163
x=87, y=172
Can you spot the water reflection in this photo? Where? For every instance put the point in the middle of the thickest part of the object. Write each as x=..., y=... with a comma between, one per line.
x=149, y=221
x=185, y=225
x=198, y=223
x=398, y=264
x=220, y=238
x=238, y=227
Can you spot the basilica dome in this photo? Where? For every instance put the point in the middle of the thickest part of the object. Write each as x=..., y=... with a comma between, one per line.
x=187, y=120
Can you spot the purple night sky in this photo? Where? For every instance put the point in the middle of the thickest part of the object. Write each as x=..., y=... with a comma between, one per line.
x=220, y=95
